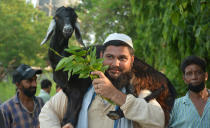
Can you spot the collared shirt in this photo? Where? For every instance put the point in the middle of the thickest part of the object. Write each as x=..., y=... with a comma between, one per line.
x=17, y=116
x=185, y=114
x=44, y=95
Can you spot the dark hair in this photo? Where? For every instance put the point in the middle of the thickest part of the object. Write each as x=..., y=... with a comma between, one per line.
x=118, y=43
x=57, y=86
x=46, y=83
x=193, y=60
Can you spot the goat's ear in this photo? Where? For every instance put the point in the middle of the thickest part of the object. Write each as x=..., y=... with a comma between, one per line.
x=49, y=32
x=78, y=34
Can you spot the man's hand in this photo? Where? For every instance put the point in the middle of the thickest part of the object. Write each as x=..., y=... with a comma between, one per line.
x=68, y=126
x=105, y=88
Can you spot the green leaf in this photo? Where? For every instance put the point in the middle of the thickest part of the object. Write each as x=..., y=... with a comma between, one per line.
x=69, y=74
x=76, y=69
x=104, y=68
x=61, y=64
x=175, y=18
x=197, y=33
x=73, y=48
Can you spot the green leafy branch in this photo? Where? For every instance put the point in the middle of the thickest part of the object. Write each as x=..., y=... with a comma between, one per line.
x=81, y=62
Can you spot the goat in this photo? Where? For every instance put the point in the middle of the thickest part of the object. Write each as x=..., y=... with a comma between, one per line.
x=60, y=30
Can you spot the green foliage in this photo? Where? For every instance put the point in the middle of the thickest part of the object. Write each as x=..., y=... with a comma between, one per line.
x=81, y=62
x=163, y=32
x=7, y=90
x=102, y=17
x=22, y=30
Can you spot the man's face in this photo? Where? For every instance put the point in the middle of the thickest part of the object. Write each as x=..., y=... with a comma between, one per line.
x=194, y=75
x=28, y=87
x=119, y=60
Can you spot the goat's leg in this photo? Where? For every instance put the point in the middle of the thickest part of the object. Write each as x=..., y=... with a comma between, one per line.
x=118, y=113
x=114, y=115
x=75, y=98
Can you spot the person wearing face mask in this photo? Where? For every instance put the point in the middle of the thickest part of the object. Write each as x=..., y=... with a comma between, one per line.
x=23, y=109
x=193, y=109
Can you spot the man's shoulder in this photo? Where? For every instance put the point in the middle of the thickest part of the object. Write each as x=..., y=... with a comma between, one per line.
x=181, y=100
x=7, y=104
x=39, y=100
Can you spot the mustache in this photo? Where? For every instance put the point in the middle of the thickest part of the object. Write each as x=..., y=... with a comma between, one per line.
x=115, y=68
x=32, y=88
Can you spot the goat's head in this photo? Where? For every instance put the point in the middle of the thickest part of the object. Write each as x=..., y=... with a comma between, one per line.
x=65, y=22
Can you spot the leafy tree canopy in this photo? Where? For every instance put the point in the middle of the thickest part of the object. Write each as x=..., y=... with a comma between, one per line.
x=22, y=30
x=164, y=32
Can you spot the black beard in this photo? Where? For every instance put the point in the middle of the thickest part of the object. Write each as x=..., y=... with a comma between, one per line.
x=122, y=81
x=30, y=92
x=196, y=88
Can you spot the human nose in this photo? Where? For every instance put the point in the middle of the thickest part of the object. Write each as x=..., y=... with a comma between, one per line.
x=194, y=75
x=115, y=62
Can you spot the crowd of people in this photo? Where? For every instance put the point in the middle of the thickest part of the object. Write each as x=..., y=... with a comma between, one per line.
x=25, y=110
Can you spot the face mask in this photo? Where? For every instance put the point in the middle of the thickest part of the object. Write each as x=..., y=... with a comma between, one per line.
x=30, y=92
x=196, y=88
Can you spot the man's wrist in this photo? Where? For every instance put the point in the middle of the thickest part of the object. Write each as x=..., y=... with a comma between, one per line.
x=119, y=98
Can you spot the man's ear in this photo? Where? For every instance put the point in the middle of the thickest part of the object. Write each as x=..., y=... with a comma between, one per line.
x=132, y=59
x=185, y=81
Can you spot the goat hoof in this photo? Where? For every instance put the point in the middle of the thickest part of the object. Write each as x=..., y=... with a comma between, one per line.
x=114, y=115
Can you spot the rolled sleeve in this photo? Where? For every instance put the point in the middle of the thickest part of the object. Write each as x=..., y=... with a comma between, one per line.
x=147, y=115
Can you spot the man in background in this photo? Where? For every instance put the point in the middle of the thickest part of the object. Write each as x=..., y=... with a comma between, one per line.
x=23, y=109
x=193, y=109
x=45, y=90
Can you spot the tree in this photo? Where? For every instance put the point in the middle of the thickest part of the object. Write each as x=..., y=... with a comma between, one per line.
x=102, y=17
x=22, y=30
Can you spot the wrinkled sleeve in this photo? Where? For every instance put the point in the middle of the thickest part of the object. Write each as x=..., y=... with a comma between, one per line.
x=53, y=111
x=146, y=115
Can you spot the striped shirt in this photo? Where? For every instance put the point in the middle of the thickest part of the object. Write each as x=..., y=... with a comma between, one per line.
x=185, y=115
x=17, y=116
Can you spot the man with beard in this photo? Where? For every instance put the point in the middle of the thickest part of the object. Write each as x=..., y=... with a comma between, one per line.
x=118, y=53
x=193, y=110
x=23, y=109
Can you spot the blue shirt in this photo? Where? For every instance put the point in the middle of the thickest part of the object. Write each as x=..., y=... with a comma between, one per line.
x=185, y=114
x=44, y=95
x=16, y=115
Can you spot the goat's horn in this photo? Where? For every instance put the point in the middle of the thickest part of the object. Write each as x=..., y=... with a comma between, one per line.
x=49, y=31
